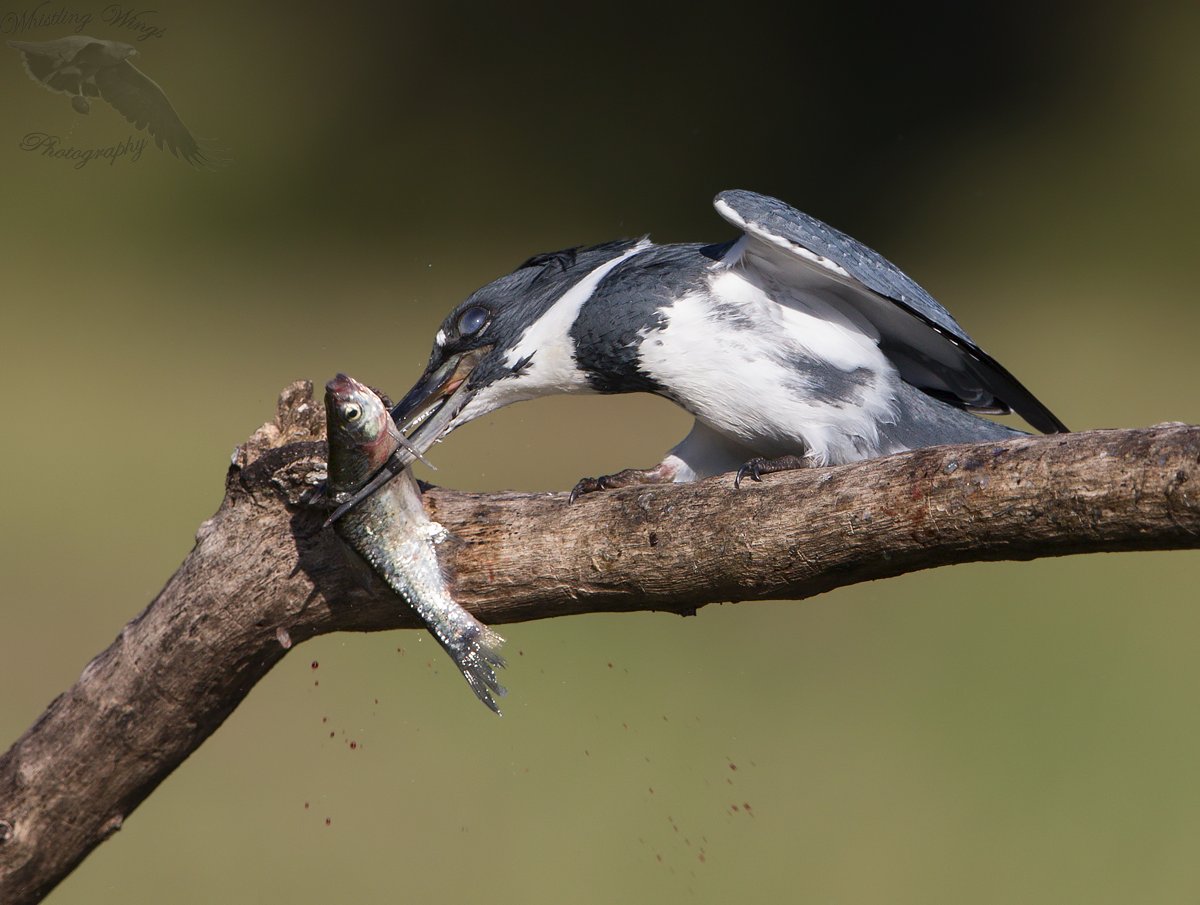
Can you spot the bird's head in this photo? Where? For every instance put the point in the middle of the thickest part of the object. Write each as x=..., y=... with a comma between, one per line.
x=508, y=342
x=116, y=51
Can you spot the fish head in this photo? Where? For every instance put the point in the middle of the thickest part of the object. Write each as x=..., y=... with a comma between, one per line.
x=361, y=434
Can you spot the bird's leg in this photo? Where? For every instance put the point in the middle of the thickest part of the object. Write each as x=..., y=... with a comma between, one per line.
x=79, y=103
x=757, y=467
x=662, y=473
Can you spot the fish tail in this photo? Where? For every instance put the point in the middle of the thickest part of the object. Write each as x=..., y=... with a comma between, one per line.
x=477, y=653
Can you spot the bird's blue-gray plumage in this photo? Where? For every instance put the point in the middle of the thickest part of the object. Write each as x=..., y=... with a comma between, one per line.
x=791, y=340
x=626, y=305
x=929, y=348
x=771, y=217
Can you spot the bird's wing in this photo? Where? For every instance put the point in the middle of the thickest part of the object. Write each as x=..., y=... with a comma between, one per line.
x=139, y=99
x=918, y=335
x=99, y=53
x=51, y=63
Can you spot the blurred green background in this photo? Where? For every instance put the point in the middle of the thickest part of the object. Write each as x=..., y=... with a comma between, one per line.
x=987, y=733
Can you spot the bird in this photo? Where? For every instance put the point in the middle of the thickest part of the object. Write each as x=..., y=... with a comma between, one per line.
x=791, y=345
x=83, y=67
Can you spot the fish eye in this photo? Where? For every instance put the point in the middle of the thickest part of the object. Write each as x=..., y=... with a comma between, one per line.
x=472, y=320
x=352, y=412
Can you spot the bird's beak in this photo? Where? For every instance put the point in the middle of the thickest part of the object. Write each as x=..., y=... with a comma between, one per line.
x=431, y=406
x=429, y=409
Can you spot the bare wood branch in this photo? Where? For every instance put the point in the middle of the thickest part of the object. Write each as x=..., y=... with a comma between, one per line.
x=263, y=577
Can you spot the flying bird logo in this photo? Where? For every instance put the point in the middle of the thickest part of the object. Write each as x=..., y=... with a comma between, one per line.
x=83, y=67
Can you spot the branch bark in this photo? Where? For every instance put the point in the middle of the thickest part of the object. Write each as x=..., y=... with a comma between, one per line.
x=263, y=577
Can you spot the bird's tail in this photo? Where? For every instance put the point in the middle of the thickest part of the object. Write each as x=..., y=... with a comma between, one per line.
x=923, y=420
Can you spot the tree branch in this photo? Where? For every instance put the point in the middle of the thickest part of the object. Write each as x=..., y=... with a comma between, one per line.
x=263, y=577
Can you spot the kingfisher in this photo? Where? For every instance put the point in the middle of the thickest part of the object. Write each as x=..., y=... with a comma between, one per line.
x=790, y=345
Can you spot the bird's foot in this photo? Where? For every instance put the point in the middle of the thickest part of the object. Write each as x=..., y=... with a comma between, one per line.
x=757, y=467
x=659, y=474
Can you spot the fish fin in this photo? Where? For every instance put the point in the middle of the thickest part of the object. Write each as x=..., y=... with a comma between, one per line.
x=477, y=654
x=453, y=542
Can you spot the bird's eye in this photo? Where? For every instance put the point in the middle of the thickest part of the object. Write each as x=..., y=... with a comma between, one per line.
x=352, y=412
x=472, y=320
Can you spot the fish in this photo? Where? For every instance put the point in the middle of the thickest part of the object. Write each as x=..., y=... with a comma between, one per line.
x=392, y=532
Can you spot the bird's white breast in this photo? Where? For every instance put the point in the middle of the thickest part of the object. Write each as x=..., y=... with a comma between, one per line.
x=783, y=370
x=548, y=348
x=547, y=343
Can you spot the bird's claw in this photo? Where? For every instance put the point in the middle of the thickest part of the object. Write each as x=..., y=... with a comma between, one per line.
x=589, y=485
x=758, y=466
x=752, y=469
x=659, y=474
